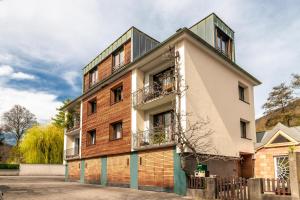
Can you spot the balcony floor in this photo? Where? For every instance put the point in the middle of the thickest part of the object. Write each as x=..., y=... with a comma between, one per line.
x=156, y=102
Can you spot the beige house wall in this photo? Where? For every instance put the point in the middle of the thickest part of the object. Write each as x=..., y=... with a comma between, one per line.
x=213, y=93
x=264, y=160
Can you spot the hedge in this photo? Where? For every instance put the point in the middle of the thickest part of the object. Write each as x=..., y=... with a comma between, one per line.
x=9, y=166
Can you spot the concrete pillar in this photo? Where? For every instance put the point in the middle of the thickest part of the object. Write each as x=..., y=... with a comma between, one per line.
x=210, y=191
x=294, y=164
x=255, y=191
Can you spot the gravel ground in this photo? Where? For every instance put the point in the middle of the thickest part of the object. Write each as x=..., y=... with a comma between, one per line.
x=54, y=188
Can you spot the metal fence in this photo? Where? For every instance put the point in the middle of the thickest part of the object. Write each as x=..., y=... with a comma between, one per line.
x=153, y=137
x=152, y=92
x=71, y=153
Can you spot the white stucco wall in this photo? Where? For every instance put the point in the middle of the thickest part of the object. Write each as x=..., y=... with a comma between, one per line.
x=213, y=93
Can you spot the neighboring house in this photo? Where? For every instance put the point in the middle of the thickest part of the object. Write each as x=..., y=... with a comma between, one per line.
x=128, y=93
x=272, y=148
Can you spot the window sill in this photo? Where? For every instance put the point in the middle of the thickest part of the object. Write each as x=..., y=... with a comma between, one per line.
x=90, y=145
x=244, y=101
x=91, y=114
x=116, y=139
x=113, y=103
x=246, y=138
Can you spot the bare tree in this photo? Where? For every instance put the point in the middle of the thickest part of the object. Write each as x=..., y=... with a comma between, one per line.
x=17, y=120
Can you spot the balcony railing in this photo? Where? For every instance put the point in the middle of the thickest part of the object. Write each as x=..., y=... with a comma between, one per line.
x=75, y=124
x=152, y=92
x=71, y=153
x=153, y=138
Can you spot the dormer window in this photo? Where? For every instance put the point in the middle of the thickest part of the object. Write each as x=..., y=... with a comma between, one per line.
x=93, y=76
x=118, y=59
x=223, y=43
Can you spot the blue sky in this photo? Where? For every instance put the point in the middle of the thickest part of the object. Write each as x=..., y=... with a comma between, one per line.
x=45, y=44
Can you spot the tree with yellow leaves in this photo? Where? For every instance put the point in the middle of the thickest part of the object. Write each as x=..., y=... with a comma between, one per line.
x=43, y=145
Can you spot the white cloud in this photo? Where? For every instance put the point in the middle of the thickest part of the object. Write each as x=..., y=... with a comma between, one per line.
x=42, y=104
x=21, y=75
x=71, y=78
x=7, y=72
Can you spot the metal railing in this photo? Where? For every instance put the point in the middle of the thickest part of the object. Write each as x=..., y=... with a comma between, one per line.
x=73, y=126
x=152, y=92
x=153, y=137
x=71, y=153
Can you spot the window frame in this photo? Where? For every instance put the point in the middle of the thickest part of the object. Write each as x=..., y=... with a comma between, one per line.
x=220, y=39
x=112, y=133
x=244, y=129
x=91, y=72
x=89, y=138
x=241, y=93
x=113, y=94
x=245, y=93
x=120, y=54
x=90, y=106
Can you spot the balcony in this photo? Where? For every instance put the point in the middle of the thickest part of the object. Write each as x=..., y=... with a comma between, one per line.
x=71, y=153
x=157, y=137
x=71, y=127
x=154, y=95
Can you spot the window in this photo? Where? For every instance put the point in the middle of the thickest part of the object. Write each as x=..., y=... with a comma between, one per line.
x=117, y=94
x=92, y=106
x=164, y=81
x=241, y=93
x=118, y=59
x=91, y=137
x=243, y=126
x=222, y=42
x=116, y=131
x=162, y=120
x=93, y=76
x=282, y=169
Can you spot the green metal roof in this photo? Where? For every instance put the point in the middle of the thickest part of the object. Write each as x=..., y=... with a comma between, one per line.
x=106, y=52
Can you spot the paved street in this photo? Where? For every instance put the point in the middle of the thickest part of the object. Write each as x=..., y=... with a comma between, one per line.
x=54, y=188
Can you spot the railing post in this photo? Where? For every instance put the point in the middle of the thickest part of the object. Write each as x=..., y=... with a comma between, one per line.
x=255, y=191
x=210, y=190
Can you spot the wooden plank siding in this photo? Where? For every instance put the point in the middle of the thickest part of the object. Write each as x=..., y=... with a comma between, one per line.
x=118, y=170
x=156, y=168
x=92, y=171
x=74, y=170
x=105, y=115
x=105, y=67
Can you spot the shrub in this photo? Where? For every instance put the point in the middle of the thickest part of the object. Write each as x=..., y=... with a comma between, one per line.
x=9, y=166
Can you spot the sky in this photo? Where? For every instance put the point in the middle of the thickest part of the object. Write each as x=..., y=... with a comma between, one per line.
x=45, y=44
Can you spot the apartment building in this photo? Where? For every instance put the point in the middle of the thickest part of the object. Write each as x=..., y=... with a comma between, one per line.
x=121, y=129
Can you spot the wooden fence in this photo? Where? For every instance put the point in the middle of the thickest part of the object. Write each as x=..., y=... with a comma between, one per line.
x=196, y=182
x=232, y=188
x=277, y=186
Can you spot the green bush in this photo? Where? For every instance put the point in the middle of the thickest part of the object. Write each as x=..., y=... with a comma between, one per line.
x=9, y=166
